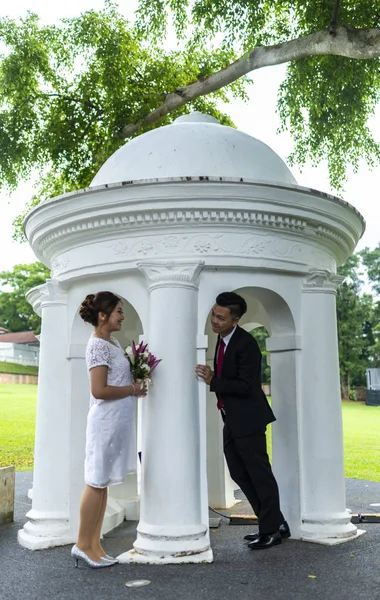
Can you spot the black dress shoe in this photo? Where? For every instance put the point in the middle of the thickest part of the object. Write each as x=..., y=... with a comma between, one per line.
x=283, y=529
x=262, y=542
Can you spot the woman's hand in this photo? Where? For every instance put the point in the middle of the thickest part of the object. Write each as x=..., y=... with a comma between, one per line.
x=140, y=389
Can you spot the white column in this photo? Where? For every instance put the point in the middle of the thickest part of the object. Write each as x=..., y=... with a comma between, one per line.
x=49, y=522
x=173, y=496
x=220, y=485
x=126, y=495
x=284, y=353
x=324, y=515
x=202, y=344
x=78, y=392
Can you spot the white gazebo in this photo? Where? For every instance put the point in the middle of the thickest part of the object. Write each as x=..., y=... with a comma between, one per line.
x=174, y=217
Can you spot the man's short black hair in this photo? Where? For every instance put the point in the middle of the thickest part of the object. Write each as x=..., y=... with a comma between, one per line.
x=236, y=304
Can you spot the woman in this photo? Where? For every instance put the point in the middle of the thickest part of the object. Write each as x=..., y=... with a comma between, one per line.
x=110, y=423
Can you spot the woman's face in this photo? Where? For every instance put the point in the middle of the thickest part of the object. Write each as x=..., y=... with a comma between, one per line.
x=115, y=319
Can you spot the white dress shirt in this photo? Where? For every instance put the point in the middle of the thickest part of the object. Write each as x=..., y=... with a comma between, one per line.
x=228, y=337
x=226, y=341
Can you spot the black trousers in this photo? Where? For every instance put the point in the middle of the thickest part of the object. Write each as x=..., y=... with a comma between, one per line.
x=249, y=467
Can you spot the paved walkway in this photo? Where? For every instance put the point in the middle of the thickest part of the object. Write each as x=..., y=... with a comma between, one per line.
x=292, y=571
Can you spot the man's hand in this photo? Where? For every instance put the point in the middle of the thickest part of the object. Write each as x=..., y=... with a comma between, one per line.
x=205, y=373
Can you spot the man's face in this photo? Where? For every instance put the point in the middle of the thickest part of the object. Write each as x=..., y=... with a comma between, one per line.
x=221, y=320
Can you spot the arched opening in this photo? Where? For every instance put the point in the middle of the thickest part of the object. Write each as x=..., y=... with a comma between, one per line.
x=123, y=498
x=267, y=312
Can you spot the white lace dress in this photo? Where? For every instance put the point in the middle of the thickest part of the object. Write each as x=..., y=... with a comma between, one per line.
x=110, y=435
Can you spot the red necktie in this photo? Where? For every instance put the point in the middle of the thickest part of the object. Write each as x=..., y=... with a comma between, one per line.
x=219, y=365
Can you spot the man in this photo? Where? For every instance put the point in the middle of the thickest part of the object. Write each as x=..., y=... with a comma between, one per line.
x=236, y=381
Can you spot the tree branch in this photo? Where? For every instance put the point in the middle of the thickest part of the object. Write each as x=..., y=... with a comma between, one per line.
x=334, y=18
x=73, y=99
x=348, y=42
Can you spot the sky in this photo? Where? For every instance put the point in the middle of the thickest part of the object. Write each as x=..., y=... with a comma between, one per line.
x=257, y=118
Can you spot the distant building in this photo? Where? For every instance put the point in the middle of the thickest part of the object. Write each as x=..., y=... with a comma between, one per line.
x=373, y=387
x=22, y=347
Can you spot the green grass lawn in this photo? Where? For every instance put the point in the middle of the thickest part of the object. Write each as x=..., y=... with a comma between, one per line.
x=361, y=427
x=14, y=368
x=361, y=432
x=17, y=423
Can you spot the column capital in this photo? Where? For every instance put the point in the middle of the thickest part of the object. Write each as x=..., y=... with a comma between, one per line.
x=49, y=293
x=321, y=281
x=171, y=274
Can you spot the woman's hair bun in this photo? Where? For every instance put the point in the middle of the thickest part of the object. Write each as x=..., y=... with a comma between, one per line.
x=87, y=310
x=93, y=304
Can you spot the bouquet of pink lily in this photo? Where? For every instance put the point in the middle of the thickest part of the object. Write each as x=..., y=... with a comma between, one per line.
x=142, y=361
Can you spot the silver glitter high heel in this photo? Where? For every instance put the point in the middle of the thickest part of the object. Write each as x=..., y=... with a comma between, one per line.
x=78, y=555
x=111, y=559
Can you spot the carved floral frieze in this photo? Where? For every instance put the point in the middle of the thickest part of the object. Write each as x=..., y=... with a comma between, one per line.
x=59, y=265
x=229, y=244
x=232, y=246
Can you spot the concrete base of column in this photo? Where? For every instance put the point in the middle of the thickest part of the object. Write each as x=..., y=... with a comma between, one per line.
x=41, y=532
x=329, y=530
x=135, y=557
x=334, y=541
x=170, y=545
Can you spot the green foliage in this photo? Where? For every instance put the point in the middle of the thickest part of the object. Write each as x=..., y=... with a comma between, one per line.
x=325, y=102
x=371, y=260
x=16, y=369
x=17, y=425
x=16, y=314
x=245, y=24
x=357, y=316
x=352, y=396
x=260, y=334
x=66, y=92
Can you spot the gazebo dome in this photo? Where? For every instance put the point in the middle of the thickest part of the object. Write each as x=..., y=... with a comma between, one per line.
x=173, y=151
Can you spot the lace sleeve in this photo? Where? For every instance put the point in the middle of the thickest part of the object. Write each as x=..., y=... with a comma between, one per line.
x=97, y=354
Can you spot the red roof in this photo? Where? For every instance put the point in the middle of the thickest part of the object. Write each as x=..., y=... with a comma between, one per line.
x=21, y=337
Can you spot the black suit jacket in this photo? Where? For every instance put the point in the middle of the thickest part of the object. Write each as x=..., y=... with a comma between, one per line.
x=247, y=410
